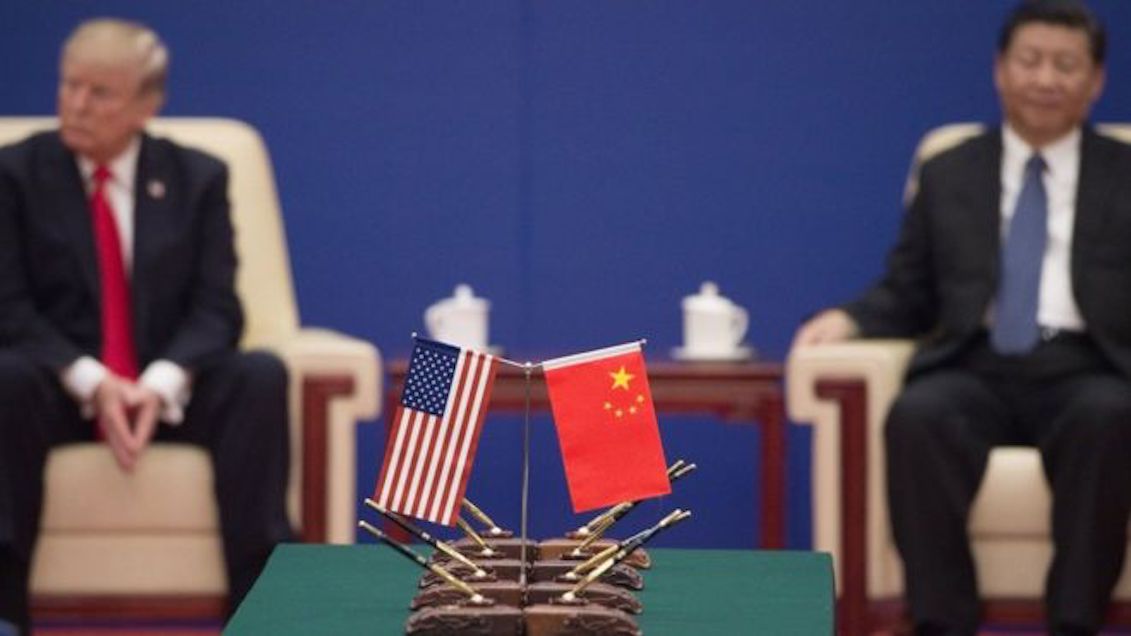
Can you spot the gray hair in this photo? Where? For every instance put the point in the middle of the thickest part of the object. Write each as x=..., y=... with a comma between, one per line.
x=116, y=41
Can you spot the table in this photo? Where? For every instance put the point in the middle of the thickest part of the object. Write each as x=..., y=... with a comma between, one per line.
x=737, y=392
x=365, y=589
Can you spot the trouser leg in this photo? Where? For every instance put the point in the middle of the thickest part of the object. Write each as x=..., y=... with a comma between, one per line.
x=1086, y=451
x=34, y=415
x=938, y=435
x=13, y=590
x=239, y=412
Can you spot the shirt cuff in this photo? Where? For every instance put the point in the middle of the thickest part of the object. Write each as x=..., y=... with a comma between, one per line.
x=81, y=379
x=172, y=383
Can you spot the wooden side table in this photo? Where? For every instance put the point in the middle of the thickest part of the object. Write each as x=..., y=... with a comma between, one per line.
x=748, y=393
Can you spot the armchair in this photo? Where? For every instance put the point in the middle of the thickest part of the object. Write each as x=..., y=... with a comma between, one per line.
x=148, y=544
x=844, y=391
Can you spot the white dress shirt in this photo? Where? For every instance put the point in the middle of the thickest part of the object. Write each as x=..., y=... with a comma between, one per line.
x=81, y=378
x=1056, y=306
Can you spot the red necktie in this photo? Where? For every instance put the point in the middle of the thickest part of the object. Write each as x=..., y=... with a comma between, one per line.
x=118, y=352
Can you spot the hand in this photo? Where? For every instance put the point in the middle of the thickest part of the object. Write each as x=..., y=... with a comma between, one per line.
x=145, y=405
x=831, y=325
x=127, y=414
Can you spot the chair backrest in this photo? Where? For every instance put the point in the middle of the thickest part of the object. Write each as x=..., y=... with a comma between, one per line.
x=946, y=137
x=264, y=277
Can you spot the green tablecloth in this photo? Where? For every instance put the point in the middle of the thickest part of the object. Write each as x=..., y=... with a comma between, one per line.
x=365, y=589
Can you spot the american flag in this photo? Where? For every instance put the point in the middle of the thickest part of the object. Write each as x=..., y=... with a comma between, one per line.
x=435, y=432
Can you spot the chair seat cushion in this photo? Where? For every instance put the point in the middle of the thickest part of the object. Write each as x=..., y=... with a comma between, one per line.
x=1014, y=500
x=129, y=564
x=170, y=489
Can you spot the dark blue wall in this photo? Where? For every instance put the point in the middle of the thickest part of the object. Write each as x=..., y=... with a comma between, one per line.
x=583, y=164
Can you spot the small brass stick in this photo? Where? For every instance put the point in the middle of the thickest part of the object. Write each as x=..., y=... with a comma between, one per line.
x=600, y=570
x=596, y=534
x=676, y=465
x=678, y=469
x=442, y=546
x=603, y=517
x=484, y=549
x=682, y=471
x=638, y=540
x=608, y=552
x=477, y=512
x=475, y=597
x=592, y=561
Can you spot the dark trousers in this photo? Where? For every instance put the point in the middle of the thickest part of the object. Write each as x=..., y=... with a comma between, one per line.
x=238, y=412
x=1063, y=398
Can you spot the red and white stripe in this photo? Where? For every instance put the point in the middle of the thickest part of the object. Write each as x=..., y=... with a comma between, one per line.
x=429, y=460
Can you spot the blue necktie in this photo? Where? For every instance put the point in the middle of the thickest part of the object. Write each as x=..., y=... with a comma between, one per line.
x=1015, y=329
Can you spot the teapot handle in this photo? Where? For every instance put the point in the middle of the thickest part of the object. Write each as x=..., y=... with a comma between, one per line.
x=740, y=321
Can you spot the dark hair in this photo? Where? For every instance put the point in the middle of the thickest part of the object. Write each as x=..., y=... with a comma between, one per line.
x=1068, y=13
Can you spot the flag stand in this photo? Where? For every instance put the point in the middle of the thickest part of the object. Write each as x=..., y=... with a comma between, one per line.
x=453, y=356
x=528, y=370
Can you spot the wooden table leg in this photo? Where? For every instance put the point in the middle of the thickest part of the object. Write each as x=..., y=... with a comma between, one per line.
x=392, y=397
x=773, y=463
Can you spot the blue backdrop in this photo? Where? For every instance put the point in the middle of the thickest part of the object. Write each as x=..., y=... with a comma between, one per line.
x=582, y=164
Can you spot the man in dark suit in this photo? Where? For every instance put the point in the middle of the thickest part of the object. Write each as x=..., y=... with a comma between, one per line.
x=1013, y=268
x=118, y=309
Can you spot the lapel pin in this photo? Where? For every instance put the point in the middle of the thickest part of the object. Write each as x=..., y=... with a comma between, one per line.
x=156, y=189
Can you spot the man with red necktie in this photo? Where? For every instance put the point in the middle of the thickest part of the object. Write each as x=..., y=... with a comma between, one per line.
x=118, y=313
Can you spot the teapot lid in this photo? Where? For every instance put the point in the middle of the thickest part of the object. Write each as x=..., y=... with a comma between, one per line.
x=707, y=298
x=464, y=296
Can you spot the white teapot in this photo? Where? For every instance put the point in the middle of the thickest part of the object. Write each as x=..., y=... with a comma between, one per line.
x=713, y=326
x=460, y=320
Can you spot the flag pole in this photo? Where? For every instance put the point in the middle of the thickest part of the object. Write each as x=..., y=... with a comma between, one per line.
x=529, y=366
x=520, y=365
x=528, y=369
x=593, y=354
x=501, y=359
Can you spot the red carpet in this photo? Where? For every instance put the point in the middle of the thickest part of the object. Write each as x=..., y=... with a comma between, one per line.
x=124, y=632
x=148, y=629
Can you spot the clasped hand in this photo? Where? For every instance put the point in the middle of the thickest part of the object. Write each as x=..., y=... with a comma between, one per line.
x=127, y=414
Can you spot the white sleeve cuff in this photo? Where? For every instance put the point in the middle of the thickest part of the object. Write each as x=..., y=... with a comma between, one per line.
x=81, y=380
x=173, y=384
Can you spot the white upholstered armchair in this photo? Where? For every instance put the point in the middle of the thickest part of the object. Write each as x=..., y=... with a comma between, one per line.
x=844, y=391
x=149, y=543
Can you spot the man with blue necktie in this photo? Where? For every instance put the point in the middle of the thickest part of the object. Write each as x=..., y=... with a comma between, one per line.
x=1013, y=268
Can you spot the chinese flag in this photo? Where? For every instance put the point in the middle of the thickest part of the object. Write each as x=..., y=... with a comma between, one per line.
x=607, y=427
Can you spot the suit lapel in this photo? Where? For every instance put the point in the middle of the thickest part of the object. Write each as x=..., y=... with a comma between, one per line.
x=151, y=210
x=67, y=199
x=984, y=179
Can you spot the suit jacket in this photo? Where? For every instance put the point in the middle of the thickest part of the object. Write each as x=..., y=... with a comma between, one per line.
x=182, y=288
x=942, y=274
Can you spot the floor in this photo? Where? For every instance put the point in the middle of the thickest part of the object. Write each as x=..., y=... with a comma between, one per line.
x=132, y=630
x=209, y=629
x=140, y=631
x=158, y=630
